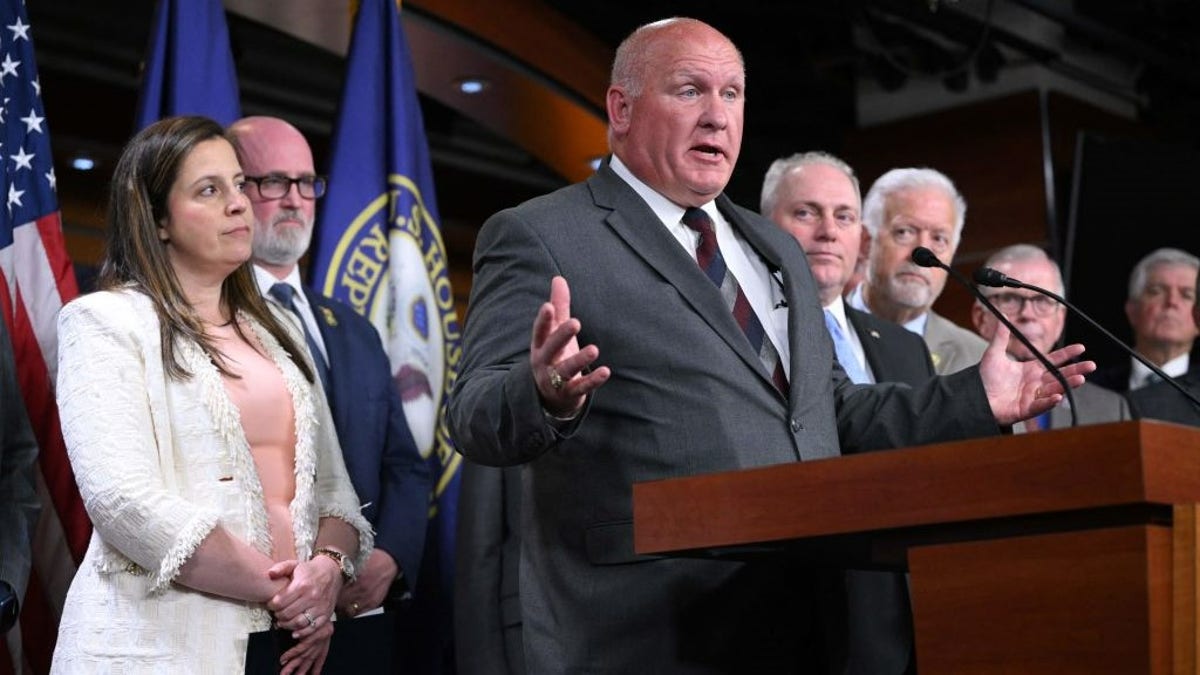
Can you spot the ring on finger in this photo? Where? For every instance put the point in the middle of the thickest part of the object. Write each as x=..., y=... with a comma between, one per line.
x=309, y=617
x=556, y=379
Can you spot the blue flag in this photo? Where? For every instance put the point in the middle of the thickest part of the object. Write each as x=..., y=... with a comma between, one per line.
x=189, y=66
x=378, y=248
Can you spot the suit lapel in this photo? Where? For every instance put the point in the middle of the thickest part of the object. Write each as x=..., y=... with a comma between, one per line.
x=662, y=252
x=869, y=339
x=805, y=325
x=333, y=337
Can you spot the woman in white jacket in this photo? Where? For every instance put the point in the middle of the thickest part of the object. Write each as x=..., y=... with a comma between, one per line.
x=204, y=451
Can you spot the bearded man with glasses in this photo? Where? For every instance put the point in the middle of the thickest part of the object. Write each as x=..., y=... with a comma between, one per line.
x=1041, y=319
x=391, y=478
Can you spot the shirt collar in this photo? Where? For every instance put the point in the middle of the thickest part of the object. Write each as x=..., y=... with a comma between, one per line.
x=667, y=211
x=266, y=280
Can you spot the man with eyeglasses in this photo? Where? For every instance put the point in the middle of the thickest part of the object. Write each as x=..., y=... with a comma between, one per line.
x=1042, y=320
x=904, y=209
x=392, y=480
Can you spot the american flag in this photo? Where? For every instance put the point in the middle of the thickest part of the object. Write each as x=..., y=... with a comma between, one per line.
x=36, y=279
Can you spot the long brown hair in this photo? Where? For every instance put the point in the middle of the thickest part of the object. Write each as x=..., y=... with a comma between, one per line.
x=137, y=258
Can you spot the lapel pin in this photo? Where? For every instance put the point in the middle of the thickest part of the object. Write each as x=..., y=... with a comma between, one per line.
x=330, y=319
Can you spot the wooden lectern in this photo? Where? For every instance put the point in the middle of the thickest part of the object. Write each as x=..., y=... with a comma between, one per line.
x=1070, y=551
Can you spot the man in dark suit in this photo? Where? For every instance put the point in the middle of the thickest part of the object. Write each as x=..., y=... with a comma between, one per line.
x=1041, y=320
x=19, y=505
x=815, y=197
x=487, y=550
x=1159, y=308
x=1161, y=401
x=639, y=370
x=392, y=480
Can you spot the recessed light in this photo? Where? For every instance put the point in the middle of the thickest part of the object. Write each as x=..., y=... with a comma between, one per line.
x=471, y=85
x=83, y=163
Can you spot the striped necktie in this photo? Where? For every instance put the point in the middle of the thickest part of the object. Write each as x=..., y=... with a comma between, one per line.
x=284, y=293
x=712, y=263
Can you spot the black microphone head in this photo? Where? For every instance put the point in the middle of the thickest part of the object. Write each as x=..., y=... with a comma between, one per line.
x=926, y=258
x=986, y=276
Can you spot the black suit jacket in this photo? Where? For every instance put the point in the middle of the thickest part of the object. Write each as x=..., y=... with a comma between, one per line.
x=487, y=552
x=894, y=353
x=1161, y=402
x=878, y=630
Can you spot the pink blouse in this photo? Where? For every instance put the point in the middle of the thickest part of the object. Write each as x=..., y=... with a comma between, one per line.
x=269, y=425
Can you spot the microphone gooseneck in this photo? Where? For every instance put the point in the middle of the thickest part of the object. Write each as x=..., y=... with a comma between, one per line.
x=926, y=258
x=990, y=277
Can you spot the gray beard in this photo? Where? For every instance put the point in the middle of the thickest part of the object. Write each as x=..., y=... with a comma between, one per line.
x=913, y=295
x=276, y=248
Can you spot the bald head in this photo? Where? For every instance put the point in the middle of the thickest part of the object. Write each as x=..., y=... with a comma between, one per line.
x=269, y=147
x=675, y=108
x=264, y=143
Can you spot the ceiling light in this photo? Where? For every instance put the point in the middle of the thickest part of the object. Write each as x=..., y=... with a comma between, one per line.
x=83, y=163
x=471, y=85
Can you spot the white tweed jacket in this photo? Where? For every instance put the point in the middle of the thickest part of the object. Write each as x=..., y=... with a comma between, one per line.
x=159, y=463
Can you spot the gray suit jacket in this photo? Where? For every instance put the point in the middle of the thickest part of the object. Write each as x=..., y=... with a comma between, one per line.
x=952, y=346
x=1093, y=405
x=19, y=505
x=687, y=396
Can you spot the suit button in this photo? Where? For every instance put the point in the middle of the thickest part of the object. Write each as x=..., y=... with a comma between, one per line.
x=796, y=426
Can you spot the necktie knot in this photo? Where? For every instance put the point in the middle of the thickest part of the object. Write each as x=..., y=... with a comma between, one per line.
x=707, y=253
x=283, y=293
x=698, y=220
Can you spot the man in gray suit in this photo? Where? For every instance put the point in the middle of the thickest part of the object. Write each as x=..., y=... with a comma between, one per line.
x=639, y=370
x=19, y=505
x=904, y=209
x=1041, y=319
x=814, y=197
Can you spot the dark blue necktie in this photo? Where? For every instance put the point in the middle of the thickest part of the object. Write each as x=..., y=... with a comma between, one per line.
x=285, y=294
x=708, y=256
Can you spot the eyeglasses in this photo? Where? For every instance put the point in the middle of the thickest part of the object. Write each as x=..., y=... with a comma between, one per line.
x=1012, y=303
x=277, y=187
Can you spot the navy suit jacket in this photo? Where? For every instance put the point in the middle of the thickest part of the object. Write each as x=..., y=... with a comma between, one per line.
x=392, y=480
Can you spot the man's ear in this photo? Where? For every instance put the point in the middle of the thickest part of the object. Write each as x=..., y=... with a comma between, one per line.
x=619, y=105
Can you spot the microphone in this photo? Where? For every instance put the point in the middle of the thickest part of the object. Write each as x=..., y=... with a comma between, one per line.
x=986, y=276
x=923, y=257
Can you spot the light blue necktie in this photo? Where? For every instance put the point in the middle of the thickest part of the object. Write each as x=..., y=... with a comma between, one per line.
x=845, y=352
